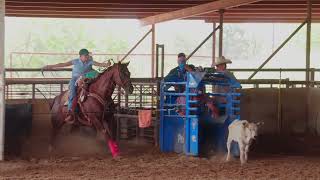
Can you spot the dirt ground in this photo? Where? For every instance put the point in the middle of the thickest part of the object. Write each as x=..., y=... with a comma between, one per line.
x=146, y=162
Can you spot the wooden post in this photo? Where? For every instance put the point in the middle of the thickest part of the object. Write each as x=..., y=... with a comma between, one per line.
x=140, y=103
x=308, y=50
x=214, y=44
x=312, y=75
x=221, y=32
x=61, y=88
x=157, y=61
x=214, y=38
x=34, y=91
x=162, y=61
x=308, y=41
x=157, y=120
x=153, y=45
x=2, y=83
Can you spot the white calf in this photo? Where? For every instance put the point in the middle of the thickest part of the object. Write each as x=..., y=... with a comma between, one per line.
x=243, y=132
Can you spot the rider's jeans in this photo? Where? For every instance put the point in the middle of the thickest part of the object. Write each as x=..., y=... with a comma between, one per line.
x=73, y=91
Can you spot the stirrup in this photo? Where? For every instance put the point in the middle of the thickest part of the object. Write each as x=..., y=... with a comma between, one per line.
x=70, y=119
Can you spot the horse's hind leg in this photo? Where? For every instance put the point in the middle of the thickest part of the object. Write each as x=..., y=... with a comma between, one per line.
x=56, y=127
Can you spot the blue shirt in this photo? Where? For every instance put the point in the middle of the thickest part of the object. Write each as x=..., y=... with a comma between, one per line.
x=79, y=67
x=177, y=75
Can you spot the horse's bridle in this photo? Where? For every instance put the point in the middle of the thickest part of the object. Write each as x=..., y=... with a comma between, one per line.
x=125, y=82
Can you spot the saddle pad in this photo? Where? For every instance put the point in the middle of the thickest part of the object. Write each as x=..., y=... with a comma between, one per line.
x=91, y=74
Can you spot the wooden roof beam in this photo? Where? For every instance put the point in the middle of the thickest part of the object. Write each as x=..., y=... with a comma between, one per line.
x=270, y=11
x=259, y=17
x=193, y=11
x=62, y=15
x=275, y=6
x=112, y=5
x=77, y=12
x=283, y=3
x=99, y=3
x=262, y=15
x=261, y=20
x=100, y=8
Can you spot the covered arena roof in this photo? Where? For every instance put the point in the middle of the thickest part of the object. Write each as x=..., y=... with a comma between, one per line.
x=258, y=11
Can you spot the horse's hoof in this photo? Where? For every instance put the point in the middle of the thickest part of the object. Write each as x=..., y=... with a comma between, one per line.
x=117, y=158
x=115, y=154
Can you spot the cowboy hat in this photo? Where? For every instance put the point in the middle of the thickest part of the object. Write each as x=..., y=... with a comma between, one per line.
x=221, y=60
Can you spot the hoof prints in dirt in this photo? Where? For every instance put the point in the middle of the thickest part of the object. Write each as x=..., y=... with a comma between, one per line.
x=155, y=165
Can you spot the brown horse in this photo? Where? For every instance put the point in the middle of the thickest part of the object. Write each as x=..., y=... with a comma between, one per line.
x=92, y=110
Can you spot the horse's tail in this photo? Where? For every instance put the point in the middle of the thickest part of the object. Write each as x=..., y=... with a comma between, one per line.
x=50, y=103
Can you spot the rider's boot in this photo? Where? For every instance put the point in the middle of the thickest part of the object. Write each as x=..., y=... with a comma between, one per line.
x=70, y=116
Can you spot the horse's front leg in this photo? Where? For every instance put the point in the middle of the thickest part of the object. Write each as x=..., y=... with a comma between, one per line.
x=105, y=130
x=113, y=145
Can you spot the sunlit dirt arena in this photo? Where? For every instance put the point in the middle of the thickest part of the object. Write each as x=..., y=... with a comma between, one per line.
x=146, y=162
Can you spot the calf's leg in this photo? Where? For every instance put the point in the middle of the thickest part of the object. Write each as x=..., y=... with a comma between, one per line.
x=228, y=148
x=246, y=153
x=242, y=152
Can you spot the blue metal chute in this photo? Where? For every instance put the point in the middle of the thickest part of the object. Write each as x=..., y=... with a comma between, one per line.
x=195, y=78
x=186, y=133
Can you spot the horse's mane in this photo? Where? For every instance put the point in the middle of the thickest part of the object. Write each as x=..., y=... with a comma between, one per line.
x=105, y=71
x=102, y=73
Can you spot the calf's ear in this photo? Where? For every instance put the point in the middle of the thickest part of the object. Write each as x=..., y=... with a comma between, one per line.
x=245, y=124
x=260, y=123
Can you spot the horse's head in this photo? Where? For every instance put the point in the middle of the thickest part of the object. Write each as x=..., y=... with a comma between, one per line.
x=122, y=77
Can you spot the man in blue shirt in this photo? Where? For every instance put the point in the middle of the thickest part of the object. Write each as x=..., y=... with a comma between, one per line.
x=178, y=74
x=81, y=65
